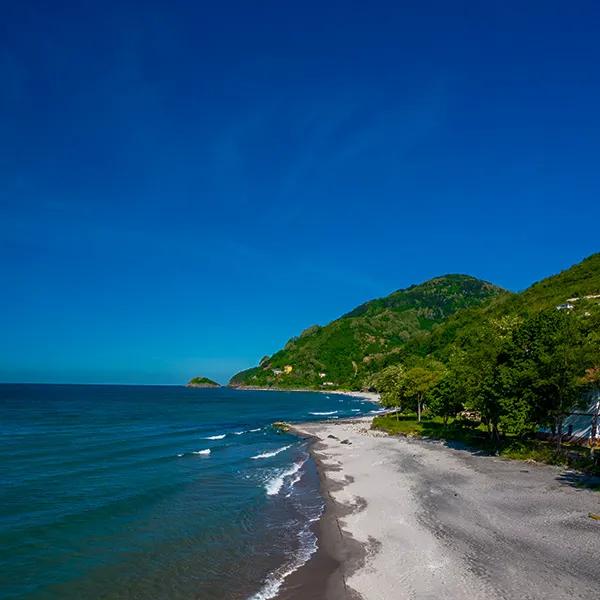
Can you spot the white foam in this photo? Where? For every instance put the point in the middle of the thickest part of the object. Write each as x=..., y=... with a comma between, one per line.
x=238, y=432
x=274, y=581
x=293, y=481
x=324, y=414
x=296, y=478
x=215, y=437
x=204, y=452
x=356, y=410
x=272, y=453
x=254, y=430
x=180, y=455
x=274, y=485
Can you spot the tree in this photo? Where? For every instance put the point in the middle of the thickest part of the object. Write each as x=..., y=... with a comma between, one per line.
x=444, y=399
x=419, y=380
x=388, y=383
x=477, y=375
x=547, y=357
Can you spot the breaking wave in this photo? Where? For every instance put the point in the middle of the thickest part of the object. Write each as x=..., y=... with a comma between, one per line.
x=274, y=485
x=274, y=581
x=272, y=453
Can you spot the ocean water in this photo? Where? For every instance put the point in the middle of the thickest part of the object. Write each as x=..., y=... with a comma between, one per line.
x=156, y=491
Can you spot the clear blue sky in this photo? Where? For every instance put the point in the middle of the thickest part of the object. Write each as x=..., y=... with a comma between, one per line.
x=185, y=185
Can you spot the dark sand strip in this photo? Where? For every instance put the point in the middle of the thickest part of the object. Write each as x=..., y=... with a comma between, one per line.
x=323, y=577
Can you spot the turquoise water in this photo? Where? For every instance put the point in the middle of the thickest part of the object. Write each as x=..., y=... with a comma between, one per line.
x=155, y=491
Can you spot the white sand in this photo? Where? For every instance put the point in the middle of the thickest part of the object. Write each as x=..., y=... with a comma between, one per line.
x=445, y=524
x=371, y=396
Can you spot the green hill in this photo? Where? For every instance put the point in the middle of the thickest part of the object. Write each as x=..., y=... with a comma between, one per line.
x=344, y=353
x=433, y=318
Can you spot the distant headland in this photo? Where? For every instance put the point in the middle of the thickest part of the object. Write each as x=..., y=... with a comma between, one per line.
x=202, y=382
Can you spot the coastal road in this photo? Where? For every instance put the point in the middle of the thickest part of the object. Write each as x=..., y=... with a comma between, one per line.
x=434, y=522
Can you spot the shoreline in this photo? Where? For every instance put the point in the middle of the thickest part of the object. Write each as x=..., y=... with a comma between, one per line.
x=414, y=518
x=323, y=576
x=370, y=396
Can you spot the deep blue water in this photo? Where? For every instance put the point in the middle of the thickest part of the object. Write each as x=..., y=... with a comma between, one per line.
x=111, y=491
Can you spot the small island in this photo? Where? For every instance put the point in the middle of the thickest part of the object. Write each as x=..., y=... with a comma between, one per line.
x=202, y=382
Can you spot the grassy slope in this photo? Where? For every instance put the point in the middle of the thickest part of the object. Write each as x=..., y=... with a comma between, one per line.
x=369, y=337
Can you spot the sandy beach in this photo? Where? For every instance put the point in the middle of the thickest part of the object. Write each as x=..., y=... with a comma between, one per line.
x=371, y=396
x=415, y=519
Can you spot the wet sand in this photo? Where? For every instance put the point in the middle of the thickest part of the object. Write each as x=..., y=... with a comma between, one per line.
x=416, y=519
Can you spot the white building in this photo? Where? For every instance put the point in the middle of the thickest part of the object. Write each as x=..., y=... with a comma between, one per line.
x=565, y=306
x=582, y=425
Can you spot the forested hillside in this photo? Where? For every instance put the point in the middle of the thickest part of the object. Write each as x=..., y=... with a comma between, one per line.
x=433, y=319
x=345, y=353
x=518, y=363
x=568, y=287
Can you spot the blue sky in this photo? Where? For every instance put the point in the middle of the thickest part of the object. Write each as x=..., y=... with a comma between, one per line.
x=187, y=185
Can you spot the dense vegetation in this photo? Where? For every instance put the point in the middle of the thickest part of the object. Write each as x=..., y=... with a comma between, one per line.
x=348, y=351
x=519, y=363
x=455, y=345
x=516, y=374
x=202, y=382
x=583, y=279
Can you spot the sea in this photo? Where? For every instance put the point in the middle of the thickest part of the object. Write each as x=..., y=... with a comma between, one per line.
x=155, y=492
